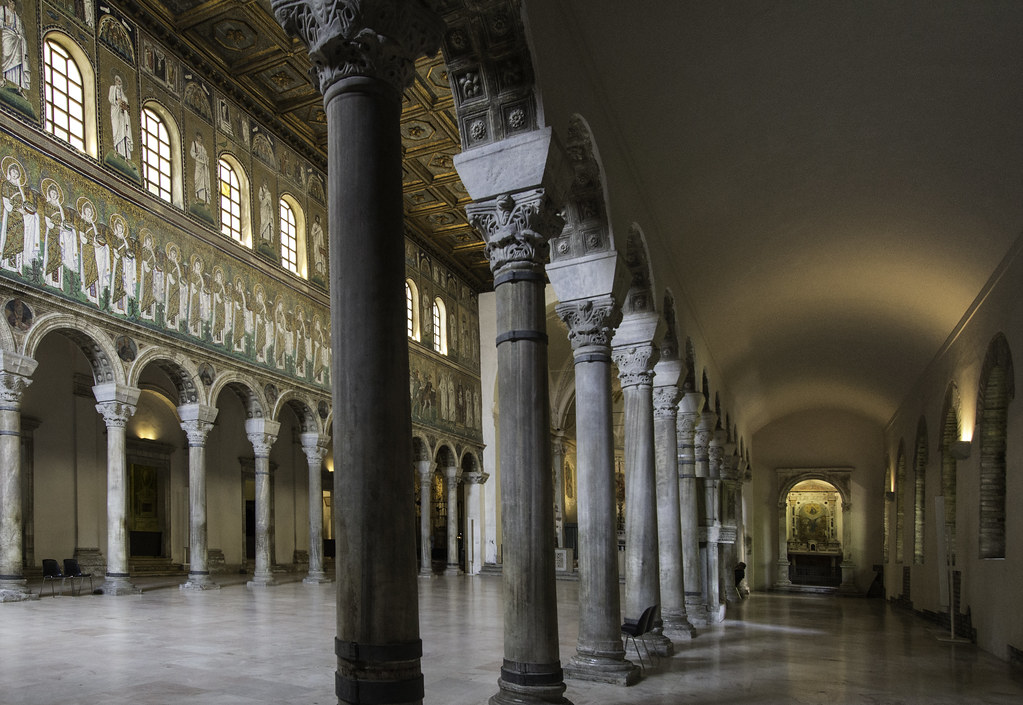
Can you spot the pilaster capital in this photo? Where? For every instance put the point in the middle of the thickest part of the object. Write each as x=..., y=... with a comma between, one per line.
x=516, y=228
x=262, y=434
x=116, y=402
x=635, y=364
x=451, y=472
x=314, y=445
x=424, y=468
x=591, y=322
x=378, y=39
x=666, y=401
x=558, y=442
x=475, y=477
x=15, y=376
x=197, y=421
x=704, y=432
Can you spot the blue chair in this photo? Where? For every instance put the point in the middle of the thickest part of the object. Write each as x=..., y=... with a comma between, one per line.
x=52, y=572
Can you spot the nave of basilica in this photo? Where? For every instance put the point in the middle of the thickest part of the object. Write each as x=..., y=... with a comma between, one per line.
x=364, y=298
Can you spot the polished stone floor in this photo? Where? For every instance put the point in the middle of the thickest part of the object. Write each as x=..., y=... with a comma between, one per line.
x=236, y=646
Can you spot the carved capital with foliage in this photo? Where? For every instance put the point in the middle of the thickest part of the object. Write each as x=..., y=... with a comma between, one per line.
x=115, y=413
x=261, y=443
x=516, y=228
x=666, y=401
x=591, y=322
x=12, y=388
x=635, y=364
x=197, y=430
x=373, y=38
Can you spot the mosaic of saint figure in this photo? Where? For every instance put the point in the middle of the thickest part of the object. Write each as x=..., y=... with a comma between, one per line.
x=219, y=307
x=120, y=119
x=238, y=309
x=87, y=235
x=196, y=309
x=261, y=322
x=124, y=268
x=56, y=225
x=172, y=279
x=281, y=333
x=15, y=48
x=147, y=277
x=266, y=207
x=319, y=248
x=19, y=216
x=201, y=174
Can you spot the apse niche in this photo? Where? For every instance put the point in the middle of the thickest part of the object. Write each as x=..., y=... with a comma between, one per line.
x=814, y=530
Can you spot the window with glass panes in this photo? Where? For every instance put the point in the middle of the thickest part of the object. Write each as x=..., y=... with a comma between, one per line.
x=230, y=201
x=156, y=155
x=63, y=95
x=289, y=237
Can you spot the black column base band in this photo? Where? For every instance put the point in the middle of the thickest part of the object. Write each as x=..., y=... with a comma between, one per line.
x=12, y=577
x=198, y=572
x=356, y=651
x=366, y=692
x=511, y=336
x=519, y=275
x=118, y=575
x=593, y=357
x=538, y=674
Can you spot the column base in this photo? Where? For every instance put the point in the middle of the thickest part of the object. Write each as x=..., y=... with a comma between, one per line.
x=198, y=583
x=657, y=643
x=259, y=582
x=427, y=574
x=678, y=627
x=16, y=590
x=602, y=670
x=317, y=577
x=848, y=586
x=511, y=694
x=696, y=612
x=453, y=570
x=116, y=586
x=716, y=614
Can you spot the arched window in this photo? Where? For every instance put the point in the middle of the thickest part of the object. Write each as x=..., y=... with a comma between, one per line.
x=886, y=527
x=900, y=506
x=440, y=326
x=69, y=93
x=412, y=310
x=919, y=492
x=950, y=434
x=156, y=155
x=234, y=201
x=994, y=393
x=292, y=229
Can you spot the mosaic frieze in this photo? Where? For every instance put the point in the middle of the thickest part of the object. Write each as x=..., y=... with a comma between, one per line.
x=444, y=397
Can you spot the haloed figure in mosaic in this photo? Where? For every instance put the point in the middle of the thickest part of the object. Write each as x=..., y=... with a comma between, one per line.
x=120, y=119
x=15, y=48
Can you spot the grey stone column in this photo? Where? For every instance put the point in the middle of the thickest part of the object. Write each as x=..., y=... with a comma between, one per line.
x=117, y=404
x=451, y=478
x=262, y=435
x=701, y=442
x=728, y=535
x=516, y=194
x=669, y=538
x=848, y=586
x=28, y=426
x=474, y=482
x=712, y=503
x=782, y=576
x=364, y=57
x=314, y=445
x=600, y=655
x=635, y=354
x=15, y=376
x=196, y=421
x=688, y=489
x=425, y=470
x=558, y=460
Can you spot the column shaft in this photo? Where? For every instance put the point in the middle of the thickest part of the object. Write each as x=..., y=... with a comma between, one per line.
x=425, y=507
x=315, y=447
x=451, y=477
x=12, y=387
x=116, y=404
x=692, y=574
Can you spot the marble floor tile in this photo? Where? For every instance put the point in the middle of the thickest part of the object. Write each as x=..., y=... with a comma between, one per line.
x=275, y=646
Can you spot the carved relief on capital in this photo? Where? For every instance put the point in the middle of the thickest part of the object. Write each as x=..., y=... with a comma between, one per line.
x=115, y=413
x=261, y=443
x=517, y=228
x=666, y=401
x=687, y=427
x=12, y=388
x=635, y=364
x=591, y=322
x=374, y=38
x=197, y=431
x=315, y=454
x=475, y=478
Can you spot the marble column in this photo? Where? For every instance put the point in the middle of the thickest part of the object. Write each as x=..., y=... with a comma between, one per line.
x=262, y=435
x=425, y=470
x=702, y=439
x=689, y=515
x=314, y=445
x=712, y=500
x=600, y=655
x=197, y=421
x=452, y=477
x=635, y=354
x=517, y=186
x=669, y=538
x=728, y=536
x=783, y=579
x=117, y=403
x=363, y=55
x=15, y=376
x=474, y=482
x=558, y=459
x=848, y=586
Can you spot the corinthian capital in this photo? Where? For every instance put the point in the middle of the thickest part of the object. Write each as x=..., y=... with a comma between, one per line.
x=374, y=38
x=115, y=413
x=516, y=228
x=635, y=364
x=262, y=434
x=666, y=401
x=12, y=387
x=591, y=322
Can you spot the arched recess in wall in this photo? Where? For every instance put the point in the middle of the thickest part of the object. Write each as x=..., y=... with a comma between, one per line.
x=74, y=53
x=950, y=433
x=900, y=504
x=886, y=525
x=919, y=491
x=106, y=366
x=995, y=391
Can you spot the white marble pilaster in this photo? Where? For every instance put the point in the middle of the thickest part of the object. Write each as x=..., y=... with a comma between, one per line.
x=474, y=482
x=262, y=434
x=452, y=477
x=117, y=404
x=15, y=376
x=197, y=421
x=314, y=445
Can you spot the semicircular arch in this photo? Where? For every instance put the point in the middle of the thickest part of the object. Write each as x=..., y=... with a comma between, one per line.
x=93, y=341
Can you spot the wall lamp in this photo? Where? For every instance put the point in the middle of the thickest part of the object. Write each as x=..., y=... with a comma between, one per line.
x=960, y=450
